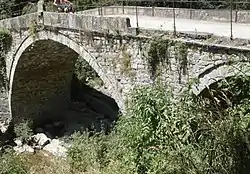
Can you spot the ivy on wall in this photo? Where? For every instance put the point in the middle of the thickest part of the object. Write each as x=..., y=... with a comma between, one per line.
x=33, y=30
x=5, y=44
x=160, y=52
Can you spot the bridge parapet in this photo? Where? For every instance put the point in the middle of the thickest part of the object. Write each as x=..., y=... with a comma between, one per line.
x=19, y=22
x=88, y=23
x=68, y=21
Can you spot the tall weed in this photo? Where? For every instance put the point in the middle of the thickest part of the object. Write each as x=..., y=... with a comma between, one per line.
x=164, y=135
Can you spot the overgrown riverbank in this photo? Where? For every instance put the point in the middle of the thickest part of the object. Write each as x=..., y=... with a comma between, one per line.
x=160, y=134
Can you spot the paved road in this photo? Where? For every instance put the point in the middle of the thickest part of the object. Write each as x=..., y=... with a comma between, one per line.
x=217, y=28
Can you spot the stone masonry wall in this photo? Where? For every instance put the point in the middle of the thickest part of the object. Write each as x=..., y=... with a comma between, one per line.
x=125, y=59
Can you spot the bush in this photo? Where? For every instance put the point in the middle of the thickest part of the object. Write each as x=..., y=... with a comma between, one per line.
x=29, y=8
x=12, y=164
x=88, y=153
x=23, y=129
x=161, y=134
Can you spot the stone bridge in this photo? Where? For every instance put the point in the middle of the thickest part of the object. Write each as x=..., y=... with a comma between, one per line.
x=40, y=62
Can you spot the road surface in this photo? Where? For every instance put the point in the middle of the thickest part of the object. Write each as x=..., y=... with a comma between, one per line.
x=240, y=30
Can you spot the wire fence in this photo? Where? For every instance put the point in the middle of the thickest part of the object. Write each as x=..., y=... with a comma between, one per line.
x=224, y=11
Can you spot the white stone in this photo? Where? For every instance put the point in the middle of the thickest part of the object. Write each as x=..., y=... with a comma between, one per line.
x=56, y=148
x=24, y=148
x=41, y=139
x=28, y=148
x=18, y=149
x=18, y=142
x=3, y=127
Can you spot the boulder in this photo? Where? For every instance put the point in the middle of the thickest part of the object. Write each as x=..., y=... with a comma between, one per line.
x=56, y=148
x=18, y=142
x=40, y=140
x=24, y=148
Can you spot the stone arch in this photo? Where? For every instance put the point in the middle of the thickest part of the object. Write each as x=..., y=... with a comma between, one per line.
x=219, y=72
x=71, y=47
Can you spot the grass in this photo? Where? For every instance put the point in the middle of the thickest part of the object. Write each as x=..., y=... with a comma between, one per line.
x=44, y=163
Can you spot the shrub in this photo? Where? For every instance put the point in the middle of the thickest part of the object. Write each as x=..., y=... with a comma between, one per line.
x=87, y=153
x=12, y=164
x=29, y=8
x=23, y=129
x=162, y=134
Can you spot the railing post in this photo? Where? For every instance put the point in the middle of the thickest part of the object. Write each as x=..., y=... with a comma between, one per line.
x=101, y=7
x=122, y=7
x=174, y=18
x=137, y=24
x=191, y=11
x=153, y=8
x=231, y=19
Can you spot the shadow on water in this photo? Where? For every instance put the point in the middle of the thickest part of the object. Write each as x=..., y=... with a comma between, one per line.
x=89, y=110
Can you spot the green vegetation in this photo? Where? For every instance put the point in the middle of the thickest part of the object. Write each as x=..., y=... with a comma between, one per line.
x=126, y=66
x=33, y=30
x=6, y=9
x=5, y=44
x=23, y=130
x=5, y=40
x=160, y=134
x=88, y=4
x=29, y=8
x=12, y=164
x=86, y=74
x=26, y=163
x=159, y=55
x=88, y=154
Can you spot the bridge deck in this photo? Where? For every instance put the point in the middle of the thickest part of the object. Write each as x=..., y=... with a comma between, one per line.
x=240, y=30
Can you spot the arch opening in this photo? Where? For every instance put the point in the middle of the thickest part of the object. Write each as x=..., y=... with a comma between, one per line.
x=42, y=90
x=228, y=92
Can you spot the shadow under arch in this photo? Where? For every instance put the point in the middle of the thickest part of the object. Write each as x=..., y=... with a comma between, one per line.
x=221, y=72
x=55, y=44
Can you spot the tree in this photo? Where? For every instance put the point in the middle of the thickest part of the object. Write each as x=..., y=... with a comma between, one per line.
x=6, y=8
